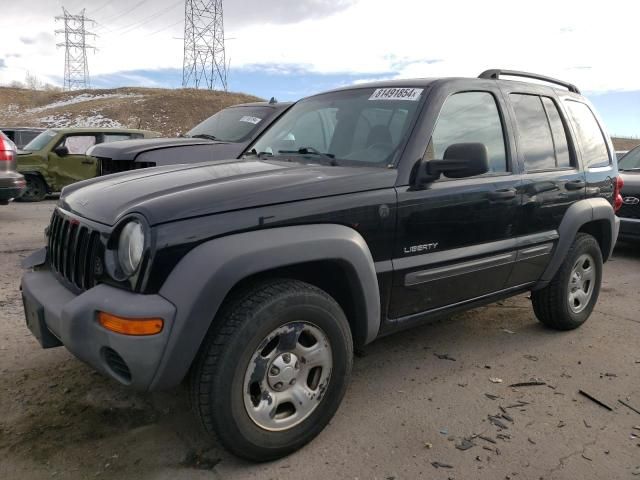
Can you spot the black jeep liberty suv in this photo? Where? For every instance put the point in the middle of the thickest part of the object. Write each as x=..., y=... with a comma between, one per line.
x=359, y=212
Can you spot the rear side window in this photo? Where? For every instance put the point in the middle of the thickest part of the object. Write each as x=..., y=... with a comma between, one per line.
x=561, y=146
x=534, y=132
x=470, y=117
x=115, y=137
x=592, y=142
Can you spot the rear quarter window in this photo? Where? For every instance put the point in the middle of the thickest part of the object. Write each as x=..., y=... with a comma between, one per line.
x=590, y=137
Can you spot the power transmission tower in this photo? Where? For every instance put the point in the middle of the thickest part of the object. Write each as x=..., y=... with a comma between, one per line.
x=204, y=64
x=76, y=68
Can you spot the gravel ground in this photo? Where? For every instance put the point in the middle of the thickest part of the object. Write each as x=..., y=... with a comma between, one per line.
x=413, y=399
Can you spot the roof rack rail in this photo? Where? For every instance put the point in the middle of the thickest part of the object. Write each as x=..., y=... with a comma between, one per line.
x=496, y=73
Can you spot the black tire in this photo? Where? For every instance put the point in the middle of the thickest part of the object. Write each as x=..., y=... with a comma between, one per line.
x=244, y=324
x=552, y=304
x=36, y=189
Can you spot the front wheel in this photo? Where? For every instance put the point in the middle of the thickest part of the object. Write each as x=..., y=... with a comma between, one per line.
x=569, y=299
x=36, y=189
x=273, y=369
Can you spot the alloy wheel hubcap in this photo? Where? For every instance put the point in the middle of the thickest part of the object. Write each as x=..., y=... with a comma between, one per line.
x=287, y=376
x=581, y=283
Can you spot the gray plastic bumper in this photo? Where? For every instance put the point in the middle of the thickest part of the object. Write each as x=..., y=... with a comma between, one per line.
x=54, y=312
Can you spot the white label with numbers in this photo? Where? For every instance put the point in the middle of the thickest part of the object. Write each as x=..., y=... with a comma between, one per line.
x=411, y=94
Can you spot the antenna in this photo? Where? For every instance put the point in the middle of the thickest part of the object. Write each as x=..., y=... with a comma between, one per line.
x=76, y=68
x=204, y=64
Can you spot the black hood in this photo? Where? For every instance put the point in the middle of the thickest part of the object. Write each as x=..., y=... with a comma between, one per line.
x=176, y=192
x=130, y=149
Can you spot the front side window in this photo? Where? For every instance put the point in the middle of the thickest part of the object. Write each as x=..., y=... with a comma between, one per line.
x=79, y=144
x=592, y=143
x=235, y=124
x=470, y=117
x=362, y=126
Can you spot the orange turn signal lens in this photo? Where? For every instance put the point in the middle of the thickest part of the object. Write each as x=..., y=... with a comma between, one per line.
x=130, y=326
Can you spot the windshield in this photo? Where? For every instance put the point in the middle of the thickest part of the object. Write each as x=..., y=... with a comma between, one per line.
x=40, y=141
x=234, y=124
x=360, y=126
x=631, y=160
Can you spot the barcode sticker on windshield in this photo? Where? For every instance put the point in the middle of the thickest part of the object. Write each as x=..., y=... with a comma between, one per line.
x=248, y=119
x=412, y=94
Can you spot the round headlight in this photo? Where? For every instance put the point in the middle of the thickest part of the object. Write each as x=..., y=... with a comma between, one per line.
x=131, y=247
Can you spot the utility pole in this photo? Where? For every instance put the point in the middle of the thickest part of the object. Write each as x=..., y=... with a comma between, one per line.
x=204, y=64
x=76, y=68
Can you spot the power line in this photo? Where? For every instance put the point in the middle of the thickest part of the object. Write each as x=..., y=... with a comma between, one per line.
x=204, y=62
x=141, y=2
x=150, y=18
x=165, y=28
x=109, y=2
x=76, y=68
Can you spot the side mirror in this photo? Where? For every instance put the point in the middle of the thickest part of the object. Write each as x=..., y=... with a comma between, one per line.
x=460, y=160
x=61, y=151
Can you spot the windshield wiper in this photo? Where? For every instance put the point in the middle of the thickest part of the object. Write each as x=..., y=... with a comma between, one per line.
x=312, y=151
x=204, y=135
x=260, y=155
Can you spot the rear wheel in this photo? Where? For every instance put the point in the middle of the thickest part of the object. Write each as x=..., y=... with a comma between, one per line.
x=569, y=299
x=36, y=189
x=273, y=370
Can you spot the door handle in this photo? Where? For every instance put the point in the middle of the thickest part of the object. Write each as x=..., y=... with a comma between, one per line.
x=503, y=194
x=575, y=185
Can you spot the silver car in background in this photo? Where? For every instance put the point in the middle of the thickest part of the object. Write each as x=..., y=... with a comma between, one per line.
x=12, y=184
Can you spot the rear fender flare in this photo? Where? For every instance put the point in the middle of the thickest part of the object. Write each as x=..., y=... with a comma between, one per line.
x=576, y=216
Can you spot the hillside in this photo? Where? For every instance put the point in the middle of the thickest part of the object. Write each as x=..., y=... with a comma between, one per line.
x=625, y=143
x=169, y=112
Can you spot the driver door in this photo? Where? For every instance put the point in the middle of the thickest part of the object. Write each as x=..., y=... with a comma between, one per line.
x=74, y=166
x=454, y=237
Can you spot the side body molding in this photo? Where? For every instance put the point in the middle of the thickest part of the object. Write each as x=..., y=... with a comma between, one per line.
x=579, y=214
x=199, y=283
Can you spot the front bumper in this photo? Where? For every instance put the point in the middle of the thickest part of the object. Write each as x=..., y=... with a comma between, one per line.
x=56, y=316
x=629, y=229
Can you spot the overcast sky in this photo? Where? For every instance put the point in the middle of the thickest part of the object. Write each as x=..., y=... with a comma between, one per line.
x=291, y=48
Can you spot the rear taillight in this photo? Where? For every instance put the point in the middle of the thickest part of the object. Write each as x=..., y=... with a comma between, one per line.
x=617, y=193
x=7, y=151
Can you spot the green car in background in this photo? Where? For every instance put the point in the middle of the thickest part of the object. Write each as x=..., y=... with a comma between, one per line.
x=57, y=157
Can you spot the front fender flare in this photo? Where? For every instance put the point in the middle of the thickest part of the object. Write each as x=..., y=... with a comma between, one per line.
x=200, y=282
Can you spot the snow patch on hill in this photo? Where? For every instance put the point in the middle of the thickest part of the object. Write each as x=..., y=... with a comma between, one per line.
x=83, y=97
x=81, y=121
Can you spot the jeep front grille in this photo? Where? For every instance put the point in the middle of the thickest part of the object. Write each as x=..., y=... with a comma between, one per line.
x=108, y=165
x=72, y=248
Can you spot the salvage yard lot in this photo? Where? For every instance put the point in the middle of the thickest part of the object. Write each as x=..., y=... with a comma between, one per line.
x=413, y=398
